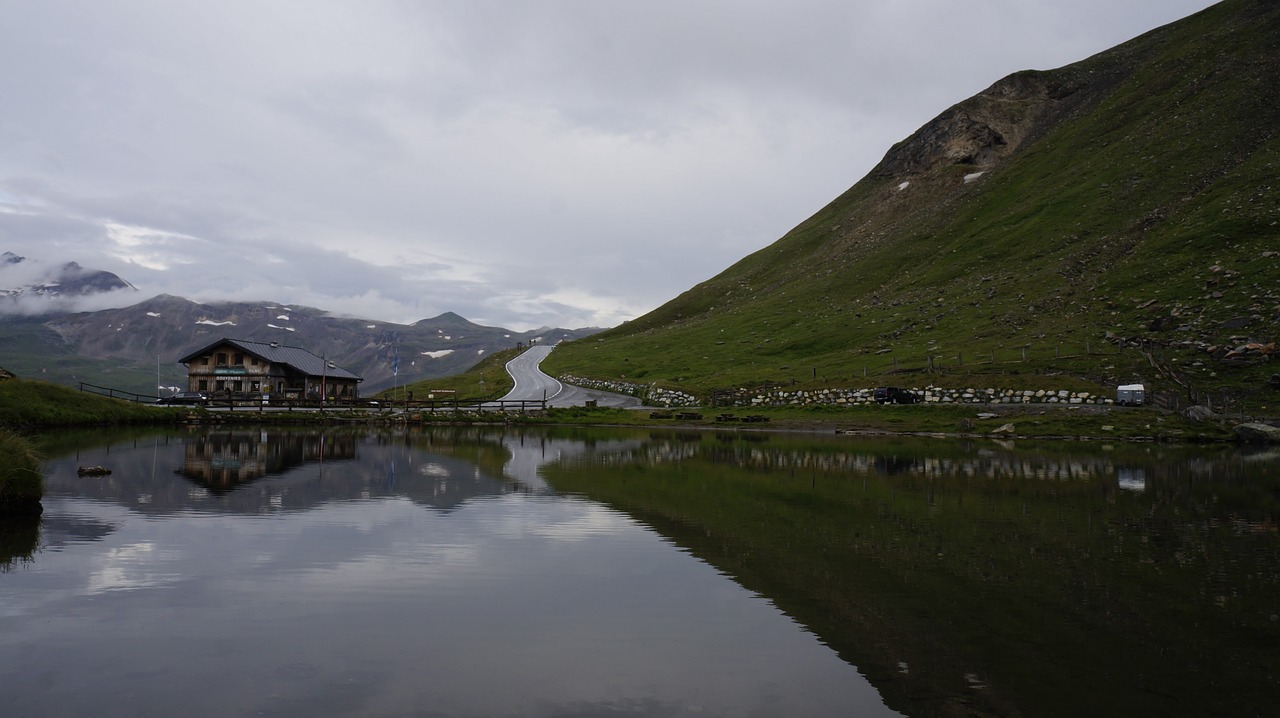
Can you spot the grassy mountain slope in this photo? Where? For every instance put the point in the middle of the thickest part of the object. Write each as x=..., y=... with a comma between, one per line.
x=1125, y=226
x=487, y=379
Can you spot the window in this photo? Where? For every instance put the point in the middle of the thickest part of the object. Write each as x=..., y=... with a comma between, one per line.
x=204, y=383
x=239, y=359
x=222, y=358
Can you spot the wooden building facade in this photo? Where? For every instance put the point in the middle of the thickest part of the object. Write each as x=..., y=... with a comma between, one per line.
x=235, y=368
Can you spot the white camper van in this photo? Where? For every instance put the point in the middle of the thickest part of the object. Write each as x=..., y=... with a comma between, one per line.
x=1131, y=395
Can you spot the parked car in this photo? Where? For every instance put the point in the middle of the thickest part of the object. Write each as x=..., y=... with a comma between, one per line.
x=185, y=397
x=894, y=395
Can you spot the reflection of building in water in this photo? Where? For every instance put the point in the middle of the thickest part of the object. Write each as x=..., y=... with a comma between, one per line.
x=220, y=461
x=891, y=465
x=1131, y=478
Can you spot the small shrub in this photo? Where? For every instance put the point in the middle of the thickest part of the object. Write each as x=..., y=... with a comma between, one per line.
x=21, y=481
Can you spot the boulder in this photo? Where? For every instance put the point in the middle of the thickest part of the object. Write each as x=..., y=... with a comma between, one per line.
x=1258, y=433
x=1199, y=413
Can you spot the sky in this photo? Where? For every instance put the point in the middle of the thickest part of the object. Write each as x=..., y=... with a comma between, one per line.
x=523, y=164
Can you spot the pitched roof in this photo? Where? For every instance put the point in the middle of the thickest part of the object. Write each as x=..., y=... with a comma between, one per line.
x=295, y=357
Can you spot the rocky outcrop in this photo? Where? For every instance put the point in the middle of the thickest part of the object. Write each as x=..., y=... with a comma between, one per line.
x=1200, y=413
x=988, y=127
x=1258, y=433
x=1232, y=323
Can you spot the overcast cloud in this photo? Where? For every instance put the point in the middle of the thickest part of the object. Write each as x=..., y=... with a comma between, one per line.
x=522, y=164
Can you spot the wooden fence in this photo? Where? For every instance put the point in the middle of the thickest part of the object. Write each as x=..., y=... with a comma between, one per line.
x=373, y=405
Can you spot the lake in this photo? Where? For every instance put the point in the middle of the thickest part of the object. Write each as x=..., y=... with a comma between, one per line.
x=465, y=571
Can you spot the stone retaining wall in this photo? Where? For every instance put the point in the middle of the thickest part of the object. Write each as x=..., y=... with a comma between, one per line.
x=658, y=396
x=648, y=393
x=929, y=395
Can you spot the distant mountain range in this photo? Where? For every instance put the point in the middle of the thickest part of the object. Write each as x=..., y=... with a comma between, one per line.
x=135, y=347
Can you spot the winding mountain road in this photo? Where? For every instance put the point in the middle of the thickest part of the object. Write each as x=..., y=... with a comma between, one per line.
x=533, y=385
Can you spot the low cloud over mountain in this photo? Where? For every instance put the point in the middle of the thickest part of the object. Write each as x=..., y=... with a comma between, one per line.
x=28, y=287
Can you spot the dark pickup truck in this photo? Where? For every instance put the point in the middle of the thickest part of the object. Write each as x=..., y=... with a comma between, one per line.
x=185, y=397
x=894, y=395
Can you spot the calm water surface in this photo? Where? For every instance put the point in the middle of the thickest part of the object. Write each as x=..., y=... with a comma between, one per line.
x=477, y=572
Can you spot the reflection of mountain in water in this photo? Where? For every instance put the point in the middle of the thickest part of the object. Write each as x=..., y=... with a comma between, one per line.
x=996, y=461
x=61, y=530
x=275, y=470
x=984, y=578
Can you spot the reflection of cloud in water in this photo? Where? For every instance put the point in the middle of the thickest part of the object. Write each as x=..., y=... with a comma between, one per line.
x=572, y=520
x=439, y=561
x=133, y=566
x=593, y=521
x=1131, y=478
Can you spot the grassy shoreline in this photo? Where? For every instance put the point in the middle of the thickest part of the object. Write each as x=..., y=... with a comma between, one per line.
x=31, y=405
x=21, y=479
x=1009, y=422
x=28, y=406
x=34, y=405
